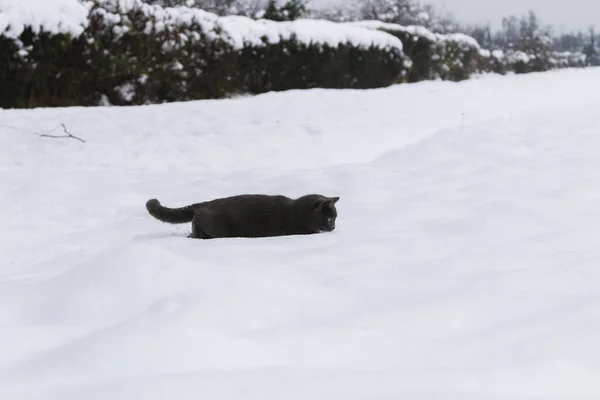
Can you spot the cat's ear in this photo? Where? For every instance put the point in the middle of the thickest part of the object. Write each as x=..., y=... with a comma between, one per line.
x=325, y=203
x=330, y=201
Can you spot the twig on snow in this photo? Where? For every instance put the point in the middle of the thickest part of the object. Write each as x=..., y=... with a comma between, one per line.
x=67, y=134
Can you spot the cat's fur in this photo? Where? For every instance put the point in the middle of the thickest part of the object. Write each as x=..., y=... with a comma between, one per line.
x=252, y=216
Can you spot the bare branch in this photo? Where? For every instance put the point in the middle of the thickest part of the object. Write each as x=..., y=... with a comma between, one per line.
x=67, y=134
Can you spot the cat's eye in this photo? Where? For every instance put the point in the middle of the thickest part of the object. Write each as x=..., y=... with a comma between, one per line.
x=329, y=219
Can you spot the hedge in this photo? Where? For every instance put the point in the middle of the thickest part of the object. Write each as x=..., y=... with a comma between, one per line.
x=142, y=54
x=457, y=57
x=452, y=57
x=521, y=62
x=131, y=53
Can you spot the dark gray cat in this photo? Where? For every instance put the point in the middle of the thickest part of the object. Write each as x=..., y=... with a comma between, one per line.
x=252, y=215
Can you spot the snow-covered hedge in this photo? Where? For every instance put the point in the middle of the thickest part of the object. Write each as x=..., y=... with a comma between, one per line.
x=522, y=62
x=458, y=56
x=568, y=59
x=491, y=61
x=130, y=52
x=434, y=56
x=88, y=52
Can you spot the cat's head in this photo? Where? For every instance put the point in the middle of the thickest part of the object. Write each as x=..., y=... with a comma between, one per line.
x=323, y=214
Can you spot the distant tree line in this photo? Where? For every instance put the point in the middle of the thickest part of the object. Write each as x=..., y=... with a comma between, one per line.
x=527, y=32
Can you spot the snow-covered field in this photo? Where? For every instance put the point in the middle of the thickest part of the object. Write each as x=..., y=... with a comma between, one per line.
x=465, y=263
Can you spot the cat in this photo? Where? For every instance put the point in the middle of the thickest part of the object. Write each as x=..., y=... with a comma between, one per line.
x=252, y=216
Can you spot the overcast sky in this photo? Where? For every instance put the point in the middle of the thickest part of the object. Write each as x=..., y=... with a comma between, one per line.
x=568, y=15
x=571, y=14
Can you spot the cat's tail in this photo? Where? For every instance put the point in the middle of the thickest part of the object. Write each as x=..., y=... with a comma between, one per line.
x=170, y=215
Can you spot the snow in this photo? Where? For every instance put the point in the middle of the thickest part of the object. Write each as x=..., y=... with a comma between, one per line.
x=163, y=17
x=460, y=38
x=308, y=31
x=498, y=54
x=376, y=24
x=58, y=16
x=568, y=58
x=519, y=56
x=485, y=53
x=464, y=264
x=126, y=91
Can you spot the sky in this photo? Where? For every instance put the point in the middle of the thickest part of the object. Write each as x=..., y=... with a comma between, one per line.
x=577, y=15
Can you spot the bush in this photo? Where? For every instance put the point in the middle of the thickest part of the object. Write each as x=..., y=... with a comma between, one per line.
x=143, y=54
x=520, y=62
x=491, y=61
x=458, y=57
x=434, y=56
x=146, y=56
x=294, y=64
x=13, y=74
x=568, y=59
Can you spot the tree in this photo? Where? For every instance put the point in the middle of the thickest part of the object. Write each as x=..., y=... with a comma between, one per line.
x=481, y=33
x=531, y=37
x=431, y=19
x=591, y=51
x=402, y=12
x=288, y=11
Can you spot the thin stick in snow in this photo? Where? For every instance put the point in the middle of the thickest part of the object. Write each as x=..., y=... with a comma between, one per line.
x=67, y=134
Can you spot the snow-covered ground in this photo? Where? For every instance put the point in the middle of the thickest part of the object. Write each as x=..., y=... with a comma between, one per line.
x=465, y=263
